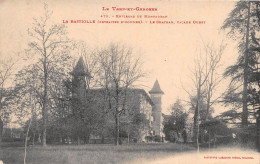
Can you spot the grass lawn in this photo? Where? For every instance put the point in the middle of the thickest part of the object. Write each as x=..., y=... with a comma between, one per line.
x=90, y=153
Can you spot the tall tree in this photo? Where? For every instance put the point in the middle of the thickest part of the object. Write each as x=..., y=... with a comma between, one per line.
x=243, y=24
x=213, y=61
x=48, y=43
x=205, y=81
x=6, y=93
x=175, y=123
x=87, y=109
x=119, y=71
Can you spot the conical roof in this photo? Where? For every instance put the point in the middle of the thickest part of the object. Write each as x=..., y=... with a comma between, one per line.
x=156, y=88
x=80, y=69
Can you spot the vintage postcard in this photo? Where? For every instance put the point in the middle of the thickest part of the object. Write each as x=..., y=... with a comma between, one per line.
x=129, y=81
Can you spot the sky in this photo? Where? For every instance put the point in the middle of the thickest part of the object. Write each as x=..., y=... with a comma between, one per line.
x=168, y=50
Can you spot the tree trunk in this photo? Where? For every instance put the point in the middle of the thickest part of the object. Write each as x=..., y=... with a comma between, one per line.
x=245, y=110
x=39, y=138
x=44, y=119
x=45, y=99
x=117, y=116
x=78, y=141
x=117, y=130
x=208, y=104
x=25, y=143
x=86, y=139
x=209, y=138
x=196, y=116
x=33, y=138
x=195, y=130
x=1, y=129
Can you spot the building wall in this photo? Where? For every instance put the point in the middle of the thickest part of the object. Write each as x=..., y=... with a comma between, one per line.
x=137, y=102
x=146, y=108
x=157, y=115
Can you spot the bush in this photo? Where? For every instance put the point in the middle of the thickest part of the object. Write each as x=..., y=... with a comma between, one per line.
x=157, y=138
x=172, y=136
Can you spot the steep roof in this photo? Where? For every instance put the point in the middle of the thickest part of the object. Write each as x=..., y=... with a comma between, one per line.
x=80, y=69
x=156, y=88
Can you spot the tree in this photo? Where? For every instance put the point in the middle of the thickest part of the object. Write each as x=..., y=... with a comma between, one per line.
x=6, y=93
x=138, y=121
x=175, y=123
x=29, y=89
x=217, y=131
x=204, y=111
x=243, y=25
x=205, y=81
x=87, y=109
x=119, y=71
x=50, y=45
x=27, y=100
x=213, y=80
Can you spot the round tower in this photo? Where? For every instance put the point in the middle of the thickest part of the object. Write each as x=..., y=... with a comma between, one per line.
x=156, y=94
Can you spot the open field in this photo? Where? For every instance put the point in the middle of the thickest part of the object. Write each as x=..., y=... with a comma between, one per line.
x=221, y=155
x=91, y=153
x=155, y=153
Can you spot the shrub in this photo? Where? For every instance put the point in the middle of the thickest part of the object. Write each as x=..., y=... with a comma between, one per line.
x=157, y=138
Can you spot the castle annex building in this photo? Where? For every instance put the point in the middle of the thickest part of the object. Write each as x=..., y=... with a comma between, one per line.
x=140, y=114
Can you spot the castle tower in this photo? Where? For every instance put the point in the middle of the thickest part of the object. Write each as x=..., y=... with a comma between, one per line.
x=156, y=94
x=80, y=80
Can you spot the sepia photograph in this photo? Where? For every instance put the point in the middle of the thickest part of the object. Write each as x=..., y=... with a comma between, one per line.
x=129, y=82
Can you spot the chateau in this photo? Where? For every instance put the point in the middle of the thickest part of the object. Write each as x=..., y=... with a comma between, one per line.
x=140, y=119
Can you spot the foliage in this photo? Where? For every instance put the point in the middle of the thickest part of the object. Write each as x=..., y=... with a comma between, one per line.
x=215, y=130
x=139, y=122
x=206, y=81
x=175, y=123
x=49, y=50
x=140, y=119
x=243, y=26
x=203, y=107
x=230, y=116
x=6, y=92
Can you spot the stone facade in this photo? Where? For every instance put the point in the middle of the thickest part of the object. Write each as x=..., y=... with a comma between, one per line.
x=139, y=106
